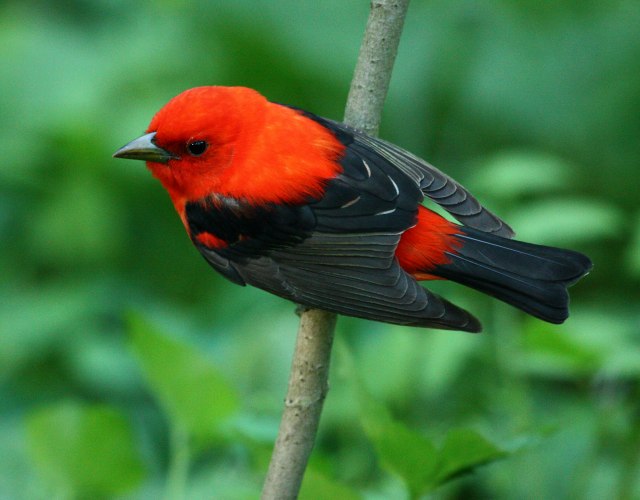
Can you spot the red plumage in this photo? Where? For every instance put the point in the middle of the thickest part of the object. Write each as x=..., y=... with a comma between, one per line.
x=252, y=143
x=319, y=213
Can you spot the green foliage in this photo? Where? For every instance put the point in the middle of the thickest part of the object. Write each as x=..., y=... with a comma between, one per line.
x=533, y=105
x=633, y=252
x=513, y=174
x=572, y=220
x=409, y=454
x=558, y=355
x=462, y=451
x=170, y=366
x=401, y=450
x=319, y=487
x=84, y=451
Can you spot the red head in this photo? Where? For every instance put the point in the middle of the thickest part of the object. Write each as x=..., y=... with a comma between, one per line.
x=232, y=141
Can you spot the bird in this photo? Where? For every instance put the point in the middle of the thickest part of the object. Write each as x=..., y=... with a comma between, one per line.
x=326, y=216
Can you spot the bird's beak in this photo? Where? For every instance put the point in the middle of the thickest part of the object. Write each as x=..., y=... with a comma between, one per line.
x=144, y=148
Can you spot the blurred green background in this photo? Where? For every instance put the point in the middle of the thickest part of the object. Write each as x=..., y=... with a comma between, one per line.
x=129, y=369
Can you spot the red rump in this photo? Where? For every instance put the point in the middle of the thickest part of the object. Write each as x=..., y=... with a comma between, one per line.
x=424, y=246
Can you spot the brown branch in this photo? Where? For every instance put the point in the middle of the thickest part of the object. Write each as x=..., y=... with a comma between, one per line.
x=375, y=62
x=308, y=380
x=308, y=386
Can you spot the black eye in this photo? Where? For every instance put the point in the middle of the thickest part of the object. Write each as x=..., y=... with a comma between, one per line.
x=196, y=148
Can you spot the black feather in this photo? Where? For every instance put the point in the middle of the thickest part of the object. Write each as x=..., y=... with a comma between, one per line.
x=533, y=278
x=433, y=183
x=249, y=230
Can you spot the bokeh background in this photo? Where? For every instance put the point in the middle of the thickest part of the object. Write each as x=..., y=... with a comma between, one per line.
x=129, y=369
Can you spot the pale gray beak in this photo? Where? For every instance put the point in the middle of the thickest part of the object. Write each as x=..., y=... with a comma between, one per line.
x=144, y=148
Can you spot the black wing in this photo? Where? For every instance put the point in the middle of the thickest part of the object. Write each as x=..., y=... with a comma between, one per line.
x=433, y=183
x=335, y=253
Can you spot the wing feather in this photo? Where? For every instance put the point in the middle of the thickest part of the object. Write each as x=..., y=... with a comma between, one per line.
x=391, y=296
x=435, y=184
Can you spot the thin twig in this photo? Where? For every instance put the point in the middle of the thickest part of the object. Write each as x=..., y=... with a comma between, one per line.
x=308, y=380
x=308, y=386
x=375, y=62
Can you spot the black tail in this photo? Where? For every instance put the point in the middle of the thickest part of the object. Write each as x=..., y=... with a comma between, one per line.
x=531, y=277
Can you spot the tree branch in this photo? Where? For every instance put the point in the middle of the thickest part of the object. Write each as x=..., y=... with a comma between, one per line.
x=308, y=386
x=308, y=380
x=375, y=62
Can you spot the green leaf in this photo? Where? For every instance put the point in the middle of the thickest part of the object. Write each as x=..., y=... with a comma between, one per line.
x=408, y=453
x=415, y=459
x=550, y=353
x=187, y=384
x=563, y=221
x=400, y=450
x=464, y=450
x=85, y=451
x=404, y=452
x=511, y=174
x=633, y=248
x=316, y=486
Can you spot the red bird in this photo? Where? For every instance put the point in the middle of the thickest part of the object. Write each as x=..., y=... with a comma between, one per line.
x=319, y=213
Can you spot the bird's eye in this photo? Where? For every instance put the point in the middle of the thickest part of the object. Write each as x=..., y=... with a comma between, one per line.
x=196, y=148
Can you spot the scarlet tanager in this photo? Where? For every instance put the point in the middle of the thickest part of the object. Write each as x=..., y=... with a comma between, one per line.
x=319, y=213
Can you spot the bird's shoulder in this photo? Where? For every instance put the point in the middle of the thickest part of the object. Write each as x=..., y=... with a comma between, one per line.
x=236, y=226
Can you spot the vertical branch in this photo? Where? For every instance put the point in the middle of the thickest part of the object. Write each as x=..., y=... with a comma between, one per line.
x=308, y=386
x=308, y=379
x=372, y=75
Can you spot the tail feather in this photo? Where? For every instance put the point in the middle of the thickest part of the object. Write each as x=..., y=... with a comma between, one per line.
x=531, y=277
